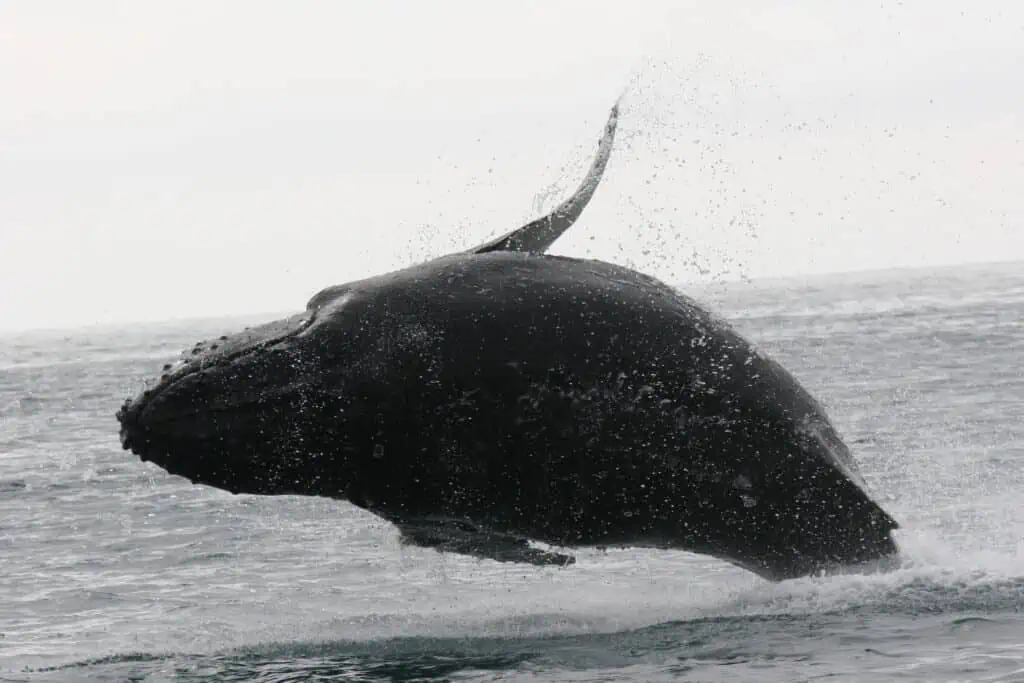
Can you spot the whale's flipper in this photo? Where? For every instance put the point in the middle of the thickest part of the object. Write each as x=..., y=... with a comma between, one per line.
x=449, y=537
x=536, y=237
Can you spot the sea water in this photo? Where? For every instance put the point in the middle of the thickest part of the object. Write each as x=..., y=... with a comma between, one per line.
x=111, y=569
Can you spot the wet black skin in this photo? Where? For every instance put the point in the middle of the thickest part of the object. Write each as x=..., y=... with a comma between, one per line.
x=518, y=395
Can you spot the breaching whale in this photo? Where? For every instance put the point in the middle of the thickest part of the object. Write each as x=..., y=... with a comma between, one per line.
x=500, y=395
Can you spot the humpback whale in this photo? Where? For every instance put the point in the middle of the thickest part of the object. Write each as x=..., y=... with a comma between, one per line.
x=501, y=395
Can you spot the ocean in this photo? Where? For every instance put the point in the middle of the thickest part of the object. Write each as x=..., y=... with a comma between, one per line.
x=113, y=570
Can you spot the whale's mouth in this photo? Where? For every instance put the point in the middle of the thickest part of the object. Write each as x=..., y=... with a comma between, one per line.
x=240, y=376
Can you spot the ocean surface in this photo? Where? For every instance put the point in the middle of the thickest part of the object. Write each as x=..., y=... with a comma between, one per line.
x=113, y=570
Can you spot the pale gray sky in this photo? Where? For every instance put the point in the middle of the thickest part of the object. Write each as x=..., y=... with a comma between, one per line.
x=169, y=159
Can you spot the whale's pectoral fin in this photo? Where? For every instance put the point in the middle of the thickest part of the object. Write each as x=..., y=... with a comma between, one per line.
x=536, y=237
x=462, y=539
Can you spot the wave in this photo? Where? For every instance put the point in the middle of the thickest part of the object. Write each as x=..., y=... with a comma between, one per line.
x=778, y=625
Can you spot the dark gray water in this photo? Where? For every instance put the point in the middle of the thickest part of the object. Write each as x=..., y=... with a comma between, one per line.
x=112, y=570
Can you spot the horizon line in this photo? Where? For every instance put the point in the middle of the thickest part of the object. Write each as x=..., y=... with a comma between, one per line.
x=732, y=280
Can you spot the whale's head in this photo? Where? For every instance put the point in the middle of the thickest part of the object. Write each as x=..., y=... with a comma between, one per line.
x=245, y=412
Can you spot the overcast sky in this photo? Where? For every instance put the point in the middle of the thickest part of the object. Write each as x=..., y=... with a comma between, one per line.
x=181, y=159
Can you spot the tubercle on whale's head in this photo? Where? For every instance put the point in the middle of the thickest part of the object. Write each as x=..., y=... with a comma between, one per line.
x=240, y=413
x=209, y=354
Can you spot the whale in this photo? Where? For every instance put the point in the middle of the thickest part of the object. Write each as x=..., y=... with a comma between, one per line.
x=513, y=405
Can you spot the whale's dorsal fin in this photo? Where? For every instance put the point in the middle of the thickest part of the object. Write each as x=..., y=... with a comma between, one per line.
x=536, y=237
x=449, y=536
